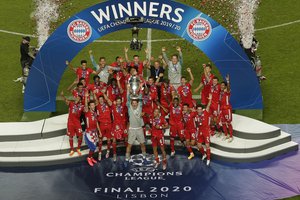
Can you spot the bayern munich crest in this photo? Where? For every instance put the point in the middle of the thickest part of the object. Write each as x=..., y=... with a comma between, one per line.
x=79, y=31
x=199, y=29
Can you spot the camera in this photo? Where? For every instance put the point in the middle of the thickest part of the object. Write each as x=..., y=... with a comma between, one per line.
x=135, y=44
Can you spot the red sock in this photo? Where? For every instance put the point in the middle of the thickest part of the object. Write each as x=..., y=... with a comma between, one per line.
x=91, y=154
x=202, y=150
x=79, y=143
x=157, y=159
x=114, y=144
x=172, y=141
x=230, y=129
x=108, y=145
x=208, y=153
x=225, y=129
x=189, y=149
x=71, y=142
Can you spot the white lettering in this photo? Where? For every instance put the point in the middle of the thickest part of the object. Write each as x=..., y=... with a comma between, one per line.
x=127, y=10
x=137, y=8
x=152, y=9
x=165, y=11
x=179, y=16
x=102, y=15
x=113, y=7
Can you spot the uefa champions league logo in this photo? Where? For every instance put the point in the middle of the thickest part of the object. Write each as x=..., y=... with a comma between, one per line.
x=142, y=163
x=199, y=29
x=79, y=31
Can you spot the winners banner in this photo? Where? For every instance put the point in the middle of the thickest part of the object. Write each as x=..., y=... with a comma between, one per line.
x=176, y=18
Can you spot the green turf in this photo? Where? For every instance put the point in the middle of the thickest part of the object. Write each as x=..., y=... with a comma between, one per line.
x=278, y=50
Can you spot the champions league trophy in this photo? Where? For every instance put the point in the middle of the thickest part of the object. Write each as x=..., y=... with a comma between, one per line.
x=134, y=83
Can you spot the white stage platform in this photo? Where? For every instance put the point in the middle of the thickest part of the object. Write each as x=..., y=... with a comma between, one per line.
x=43, y=143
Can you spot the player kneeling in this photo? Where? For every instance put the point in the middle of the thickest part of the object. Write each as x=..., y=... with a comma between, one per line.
x=202, y=120
x=157, y=136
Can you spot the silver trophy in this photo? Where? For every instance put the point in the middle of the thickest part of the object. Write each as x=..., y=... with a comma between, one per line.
x=134, y=83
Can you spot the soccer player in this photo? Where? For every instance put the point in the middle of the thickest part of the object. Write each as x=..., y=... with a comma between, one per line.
x=149, y=105
x=97, y=87
x=119, y=127
x=136, y=123
x=189, y=128
x=83, y=71
x=167, y=92
x=157, y=136
x=202, y=120
x=206, y=83
x=175, y=66
x=105, y=122
x=185, y=90
x=113, y=89
x=176, y=124
x=215, y=104
x=226, y=110
x=136, y=63
x=76, y=108
x=92, y=132
x=103, y=69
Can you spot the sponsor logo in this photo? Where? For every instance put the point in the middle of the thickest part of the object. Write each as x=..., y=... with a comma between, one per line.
x=79, y=31
x=199, y=29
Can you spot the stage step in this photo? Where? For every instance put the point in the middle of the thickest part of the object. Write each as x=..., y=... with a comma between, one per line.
x=255, y=156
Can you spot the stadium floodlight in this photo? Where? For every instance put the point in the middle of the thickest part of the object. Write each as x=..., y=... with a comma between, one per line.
x=135, y=44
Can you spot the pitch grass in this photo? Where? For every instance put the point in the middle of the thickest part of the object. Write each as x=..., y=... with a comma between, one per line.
x=278, y=50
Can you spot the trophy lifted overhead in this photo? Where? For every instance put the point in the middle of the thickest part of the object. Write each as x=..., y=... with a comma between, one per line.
x=134, y=84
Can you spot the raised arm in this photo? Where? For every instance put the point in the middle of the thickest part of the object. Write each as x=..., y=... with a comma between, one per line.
x=128, y=97
x=96, y=66
x=70, y=66
x=209, y=102
x=106, y=98
x=180, y=55
x=64, y=98
x=228, y=83
x=119, y=84
x=165, y=57
x=191, y=76
x=126, y=54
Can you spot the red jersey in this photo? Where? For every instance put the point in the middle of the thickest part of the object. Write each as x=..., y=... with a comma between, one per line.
x=224, y=100
x=97, y=88
x=139, y=66
x=185, y=92
x=122, y=76
x=153, y=91
x=91, y=121
x=75, y=111
x=160, y=121
x=175, y=115
x=148, y=103
x=84, y=73
x=166, y=94
x=81, y=94
x=104, y=113
x=215, y=91
x=188, y=120
x=207, y=83
x=203, y=120
x=113, y=92
x=119, y=113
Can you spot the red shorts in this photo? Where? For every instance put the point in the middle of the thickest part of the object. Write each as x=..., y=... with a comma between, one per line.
x=214, y=109
x=118, y=130
x=157, y=141
x=106, y=130
x=203, y=135
x=226, y=115
x=177, y=130
x=73, y=130
x=190, y=134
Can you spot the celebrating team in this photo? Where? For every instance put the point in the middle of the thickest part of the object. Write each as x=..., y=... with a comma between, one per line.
x=108, y=110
